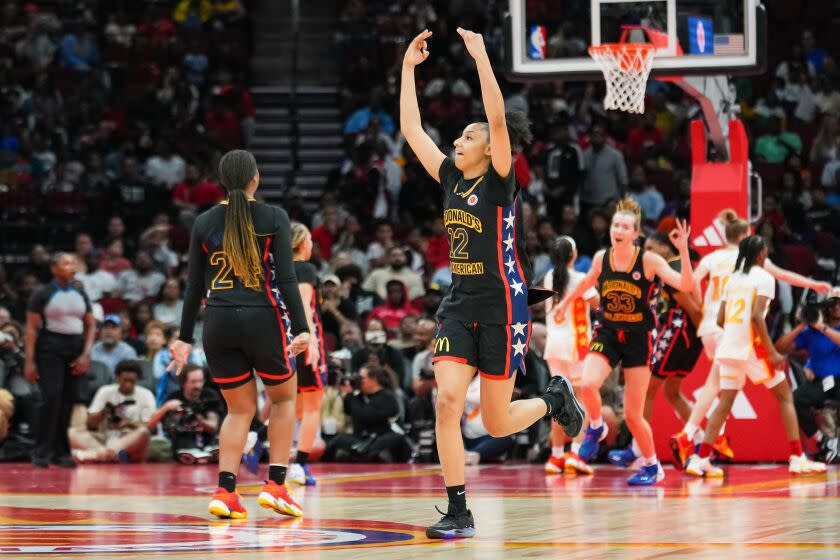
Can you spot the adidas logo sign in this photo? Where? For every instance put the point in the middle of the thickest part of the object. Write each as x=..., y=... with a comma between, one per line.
x=713, y=236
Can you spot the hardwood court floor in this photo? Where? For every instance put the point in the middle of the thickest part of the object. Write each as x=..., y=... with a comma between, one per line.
x=378, y=512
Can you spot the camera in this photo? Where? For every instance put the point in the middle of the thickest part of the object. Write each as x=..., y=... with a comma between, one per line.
x=183, y=420
x=812, y=312
x=351, y=378
x=117, y=412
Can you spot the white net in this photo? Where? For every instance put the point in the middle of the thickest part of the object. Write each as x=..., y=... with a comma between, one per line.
x=626, y=67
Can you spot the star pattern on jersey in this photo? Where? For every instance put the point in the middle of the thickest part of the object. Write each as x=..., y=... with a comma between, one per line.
x=510, y=263
x=518, y=348
x=509, y=243
x=509, y=220
x=677, y=323
x=519, y=328
x=516, y=286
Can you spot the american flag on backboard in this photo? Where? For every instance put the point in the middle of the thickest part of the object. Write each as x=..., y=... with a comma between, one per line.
x=729, y=43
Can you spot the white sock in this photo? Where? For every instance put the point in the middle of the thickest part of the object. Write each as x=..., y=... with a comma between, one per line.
x=575, y=447
x=634, y=447
x=652, y=460
x=690, y=429
x=596, y=423
x=722, y=429
x=698, y=437
x=818, y=436
x=557, y=452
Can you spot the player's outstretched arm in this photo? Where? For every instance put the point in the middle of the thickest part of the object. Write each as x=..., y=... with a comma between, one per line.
x=794, y=279
x=494, y=103
x=589, y=281
x=410, y=123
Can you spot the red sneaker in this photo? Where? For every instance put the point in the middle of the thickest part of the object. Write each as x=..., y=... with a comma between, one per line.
x=276, y=497
x=555, y=465
x=227, y=505
x=682, y=448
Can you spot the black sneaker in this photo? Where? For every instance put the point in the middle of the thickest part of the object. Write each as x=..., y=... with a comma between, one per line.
x=830, y=450
x=452, y=526
x=65, y=462
x=569, y=413
x=40, y=462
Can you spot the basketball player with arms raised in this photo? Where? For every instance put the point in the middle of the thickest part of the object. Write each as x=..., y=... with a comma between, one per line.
x=484, y=320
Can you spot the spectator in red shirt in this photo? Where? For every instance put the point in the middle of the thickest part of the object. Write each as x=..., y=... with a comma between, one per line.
x=222, y=124
x=113, y=260
x=644, y=137
x=396, y=307
x=437, y=253
x=195, y=194
x=327, y=233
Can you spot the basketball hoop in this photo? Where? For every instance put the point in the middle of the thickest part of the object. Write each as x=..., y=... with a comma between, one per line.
x=626, y=67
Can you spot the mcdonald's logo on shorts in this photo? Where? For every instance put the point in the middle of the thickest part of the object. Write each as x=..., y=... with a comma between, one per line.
x=442, y=344
x=596, y=347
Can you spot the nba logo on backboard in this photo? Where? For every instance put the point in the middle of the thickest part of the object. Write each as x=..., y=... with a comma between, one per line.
x=536, y=42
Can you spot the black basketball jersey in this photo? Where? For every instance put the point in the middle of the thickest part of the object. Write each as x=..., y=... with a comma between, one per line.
x=211, y=273
x=307, y=274
x=626, y=294
x=490, y=268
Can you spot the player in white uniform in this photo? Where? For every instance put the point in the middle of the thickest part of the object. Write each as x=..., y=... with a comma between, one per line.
x=746, y=350
x=718, y=266
x=567, y=341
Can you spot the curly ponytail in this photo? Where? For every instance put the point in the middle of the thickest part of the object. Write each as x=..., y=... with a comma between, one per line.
x=518, y=129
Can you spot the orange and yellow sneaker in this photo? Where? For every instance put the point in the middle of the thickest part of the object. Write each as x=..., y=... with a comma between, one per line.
x=555, y=465
x=682, y=448
x=227, y=505
x=723, y=449
x=277, y=497
x=576, y=465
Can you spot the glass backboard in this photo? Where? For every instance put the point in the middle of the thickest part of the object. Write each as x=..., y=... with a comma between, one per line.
x=549, y=38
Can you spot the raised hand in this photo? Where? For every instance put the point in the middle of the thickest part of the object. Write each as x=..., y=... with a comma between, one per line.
x=679, y=235
x=418, y=50
x=474, y=43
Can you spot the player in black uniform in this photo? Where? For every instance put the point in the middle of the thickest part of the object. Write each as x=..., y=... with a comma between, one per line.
x=240, y=262
x=312, y=366
x=675, y=349
x=626, y=274
x=484, y=321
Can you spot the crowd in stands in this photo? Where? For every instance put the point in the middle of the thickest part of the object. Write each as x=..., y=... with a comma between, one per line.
x=111, y=127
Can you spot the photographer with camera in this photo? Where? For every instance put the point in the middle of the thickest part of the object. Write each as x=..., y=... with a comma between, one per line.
x=371, y=404
x=377, y=351
x=191, y=419
x=819, y=334
x=116, y=427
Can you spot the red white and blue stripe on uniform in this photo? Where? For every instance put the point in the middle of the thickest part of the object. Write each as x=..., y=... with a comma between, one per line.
x=276, y=299
x=516, y=293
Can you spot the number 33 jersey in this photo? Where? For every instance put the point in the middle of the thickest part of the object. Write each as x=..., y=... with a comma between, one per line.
x=626, y=295
x=490, y=268
x=740, y=298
